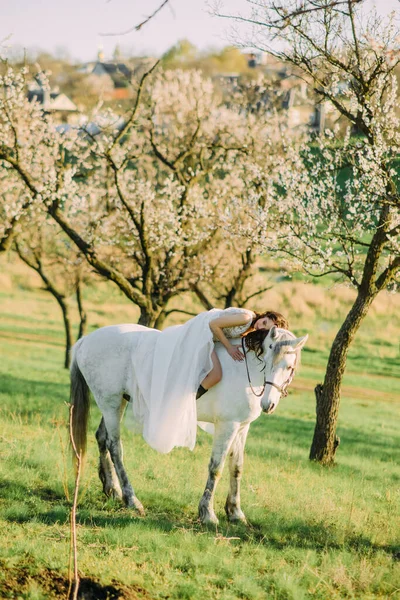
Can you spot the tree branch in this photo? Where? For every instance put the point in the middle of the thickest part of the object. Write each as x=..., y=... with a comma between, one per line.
x=135, y=106
x=201, y=296
x=140, y=25
x=284, y=16
x=8, y=235
x=100, y=266
x=178, y=310
x=251, y=296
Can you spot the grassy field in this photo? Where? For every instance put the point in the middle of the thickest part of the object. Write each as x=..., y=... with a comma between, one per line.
x=312, y=533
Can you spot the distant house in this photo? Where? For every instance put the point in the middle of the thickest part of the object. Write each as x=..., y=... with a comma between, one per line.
x=119, y=73
x=303, y=106
x=53, y=102
x=110, y=79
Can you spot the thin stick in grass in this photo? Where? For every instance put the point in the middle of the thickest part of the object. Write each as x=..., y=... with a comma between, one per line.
x=74, y=581
x=64, y=471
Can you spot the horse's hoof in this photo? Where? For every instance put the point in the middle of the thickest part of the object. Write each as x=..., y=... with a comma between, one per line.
x=116, y=493
x=209, y=519
x=112, y=492
x=139, y=507
x=238, y=518
x=234, y=514
x=133, y=502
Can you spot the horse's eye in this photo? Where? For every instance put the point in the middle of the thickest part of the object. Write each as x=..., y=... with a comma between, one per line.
x=270, y=346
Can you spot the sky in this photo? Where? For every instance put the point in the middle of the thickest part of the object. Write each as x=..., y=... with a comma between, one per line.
x=76, y=25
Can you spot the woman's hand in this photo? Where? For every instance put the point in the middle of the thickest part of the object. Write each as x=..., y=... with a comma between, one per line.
x=235, y=353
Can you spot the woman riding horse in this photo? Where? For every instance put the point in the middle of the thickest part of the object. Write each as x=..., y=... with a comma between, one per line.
x=234, y=322
x=183, y=361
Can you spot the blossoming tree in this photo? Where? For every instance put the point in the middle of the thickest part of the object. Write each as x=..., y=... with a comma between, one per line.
x=339, y=199
x=61, y=267
x=27, y=148
x=141, y=197
x=256, y=121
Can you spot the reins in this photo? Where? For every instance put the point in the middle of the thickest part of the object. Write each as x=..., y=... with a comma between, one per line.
x=283, y=389
x=248, y=373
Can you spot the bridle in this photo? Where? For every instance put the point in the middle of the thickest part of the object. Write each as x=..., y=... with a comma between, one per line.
x=282, y=389
x=248, y=373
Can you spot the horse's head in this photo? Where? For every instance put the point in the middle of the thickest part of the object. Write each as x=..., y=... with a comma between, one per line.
x=281, y=356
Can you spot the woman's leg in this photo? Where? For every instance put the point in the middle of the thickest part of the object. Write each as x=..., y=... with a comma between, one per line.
x=214, y=375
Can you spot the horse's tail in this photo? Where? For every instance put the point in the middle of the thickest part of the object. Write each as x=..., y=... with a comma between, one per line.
x=80, y=403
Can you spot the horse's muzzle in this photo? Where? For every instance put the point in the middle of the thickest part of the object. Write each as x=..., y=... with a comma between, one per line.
x=269, y=409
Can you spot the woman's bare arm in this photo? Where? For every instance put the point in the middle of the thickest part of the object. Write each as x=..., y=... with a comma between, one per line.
x=217, y=325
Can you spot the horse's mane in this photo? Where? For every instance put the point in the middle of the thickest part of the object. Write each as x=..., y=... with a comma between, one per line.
x=285, y=342
x=289, y=336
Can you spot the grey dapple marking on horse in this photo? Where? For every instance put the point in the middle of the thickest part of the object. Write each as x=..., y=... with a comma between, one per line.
x=107, y=474
x=236, y=460
x=102, y=362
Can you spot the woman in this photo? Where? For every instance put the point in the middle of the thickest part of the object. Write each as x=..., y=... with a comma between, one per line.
x=170, y=365
x=235, y=322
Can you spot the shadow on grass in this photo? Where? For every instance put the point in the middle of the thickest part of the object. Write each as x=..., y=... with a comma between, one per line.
x=167, y=517
x=14, y=490
x=376, y=366
x=12, y=386
x=298, y=533
x=298, y=434
x=26, y=398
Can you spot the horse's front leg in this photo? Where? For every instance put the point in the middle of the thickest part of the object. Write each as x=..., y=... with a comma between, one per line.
x=236, y=459
x=224, y=435
x=112, y=419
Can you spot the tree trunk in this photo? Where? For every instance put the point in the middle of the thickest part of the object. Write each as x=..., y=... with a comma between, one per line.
x=149, y=316
x=82, y=313
x=160, y=320
x=234, y=296
x=202, y=297
x=68, y=332
x=59, y=296
x=325, y=441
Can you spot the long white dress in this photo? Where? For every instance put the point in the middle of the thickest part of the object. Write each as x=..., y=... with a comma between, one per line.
x=168, y=368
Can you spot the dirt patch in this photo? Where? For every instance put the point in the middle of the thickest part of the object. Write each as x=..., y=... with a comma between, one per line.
x=20, y=580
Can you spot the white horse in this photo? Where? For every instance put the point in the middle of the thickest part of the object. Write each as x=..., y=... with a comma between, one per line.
x=102, y=362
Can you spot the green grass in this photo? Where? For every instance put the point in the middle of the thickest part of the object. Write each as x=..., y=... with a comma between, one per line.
x=312, y=532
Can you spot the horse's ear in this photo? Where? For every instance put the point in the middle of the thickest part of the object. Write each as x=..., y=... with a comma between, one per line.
x=298, y=343
x=273, y=332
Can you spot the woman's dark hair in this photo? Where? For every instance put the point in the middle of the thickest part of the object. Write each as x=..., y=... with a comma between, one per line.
x=254, y=340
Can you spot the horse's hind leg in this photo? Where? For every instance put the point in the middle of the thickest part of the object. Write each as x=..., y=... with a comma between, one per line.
x=236, y=457
x=112, y=423
x=107, y=474
x=224, y=435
